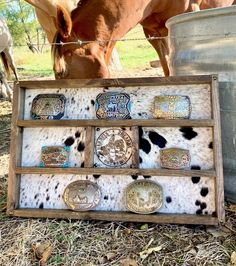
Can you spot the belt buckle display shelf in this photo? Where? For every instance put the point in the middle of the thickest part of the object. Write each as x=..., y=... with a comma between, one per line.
x=29, y=184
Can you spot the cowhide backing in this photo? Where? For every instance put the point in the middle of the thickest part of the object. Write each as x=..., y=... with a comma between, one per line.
x=80, y=102
x=35, y=138
x=197, y=140
x=193, y=195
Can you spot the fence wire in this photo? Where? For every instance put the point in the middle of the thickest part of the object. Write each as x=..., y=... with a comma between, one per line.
x=227, y=35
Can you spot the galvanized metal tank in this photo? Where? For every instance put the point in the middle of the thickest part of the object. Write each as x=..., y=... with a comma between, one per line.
x=204, y=42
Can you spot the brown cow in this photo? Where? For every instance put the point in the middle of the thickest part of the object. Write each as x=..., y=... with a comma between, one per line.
x=46, y=12
x=106, y=20
x=101, y=22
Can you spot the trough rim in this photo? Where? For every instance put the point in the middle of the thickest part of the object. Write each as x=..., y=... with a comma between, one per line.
x=214, y=12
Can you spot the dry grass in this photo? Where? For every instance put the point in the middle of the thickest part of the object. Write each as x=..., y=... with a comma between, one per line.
x=88, y=243
x=109, y=243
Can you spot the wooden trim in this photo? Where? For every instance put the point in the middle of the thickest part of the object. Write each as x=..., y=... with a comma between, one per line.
x=116, y=123
x=135, y=147
x=119, y=82
x=118, y=216
x=217, y=148
x=15, y=149
x=16, y=143
x=114, y=171
x=89, y=147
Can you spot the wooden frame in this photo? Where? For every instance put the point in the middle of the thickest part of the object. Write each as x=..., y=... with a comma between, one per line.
x=18, y=123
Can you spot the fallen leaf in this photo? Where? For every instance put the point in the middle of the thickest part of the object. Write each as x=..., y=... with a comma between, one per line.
x=42, y=252
x=116, y=234
x=193, y=251
x=232, y=207
x=187, y=248
x=144, y=227
x=110, y=255
x=101, y=260
x=128, y=262
x=144, y=254
x=127, y=231
x=233, y=258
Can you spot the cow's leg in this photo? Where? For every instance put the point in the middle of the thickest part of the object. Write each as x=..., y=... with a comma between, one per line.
x=9, y=54
x=6, y=90
x=160, y=45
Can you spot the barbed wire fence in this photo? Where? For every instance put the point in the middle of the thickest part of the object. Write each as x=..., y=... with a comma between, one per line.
x=130, y=38
x=81, y=42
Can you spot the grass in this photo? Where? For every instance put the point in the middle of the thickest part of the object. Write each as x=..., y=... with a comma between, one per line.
x=114, y=243
x=33, y=64
x=133, y=54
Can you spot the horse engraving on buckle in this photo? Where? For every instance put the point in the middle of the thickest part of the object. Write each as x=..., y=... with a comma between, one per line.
x=113, y=105
x=143, y=196
x=82, y=195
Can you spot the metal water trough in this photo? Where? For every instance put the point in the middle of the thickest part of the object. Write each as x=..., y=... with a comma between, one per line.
x=204, y=42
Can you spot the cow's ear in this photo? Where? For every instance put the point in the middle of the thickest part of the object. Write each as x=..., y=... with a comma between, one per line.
x=63, y=22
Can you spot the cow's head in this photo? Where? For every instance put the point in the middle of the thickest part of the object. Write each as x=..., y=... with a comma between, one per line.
x=74, y=59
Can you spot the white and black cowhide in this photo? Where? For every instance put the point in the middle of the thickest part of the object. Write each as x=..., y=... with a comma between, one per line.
x=192, y=195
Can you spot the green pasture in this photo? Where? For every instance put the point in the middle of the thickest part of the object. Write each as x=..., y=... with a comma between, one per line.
x=132, y=53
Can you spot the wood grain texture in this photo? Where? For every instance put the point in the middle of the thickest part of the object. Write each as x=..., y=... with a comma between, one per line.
x=116, y=123
x=120, y=82
x=115, y=171
x=217, y=148
x=135, y=149
x=118, y=216
x=15, y=149
x=89, y=147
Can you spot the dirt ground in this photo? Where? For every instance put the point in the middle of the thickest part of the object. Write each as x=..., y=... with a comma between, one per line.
x=87, y=243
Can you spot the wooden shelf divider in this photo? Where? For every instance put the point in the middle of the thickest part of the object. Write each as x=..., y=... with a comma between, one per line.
x=118, y=216
x=89, y=147
x=117, y=123
x=135, y=149
x=115, y=171
x=118, y=82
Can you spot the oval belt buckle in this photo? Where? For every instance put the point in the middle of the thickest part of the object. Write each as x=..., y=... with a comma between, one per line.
x=82, y=195
x=143, y=197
